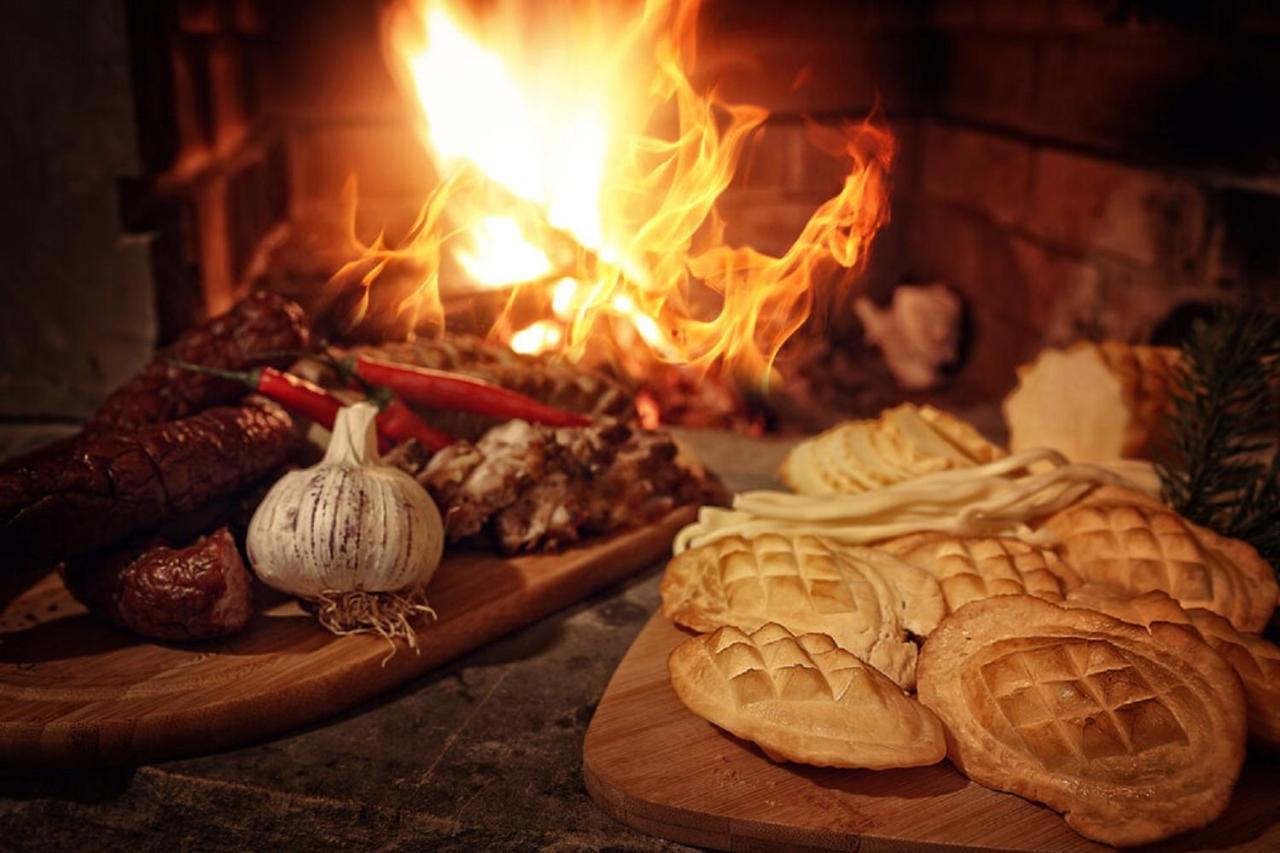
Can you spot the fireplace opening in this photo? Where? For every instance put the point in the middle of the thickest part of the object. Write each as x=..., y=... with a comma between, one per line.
x=1029, y=174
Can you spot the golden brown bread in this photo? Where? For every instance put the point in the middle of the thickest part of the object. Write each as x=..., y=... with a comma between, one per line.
x=969, y=568
x=1142, y=609
x=905, y=442
x=1134, y=735
x=1120, y=538
x=1146, y=375
x=865, y=600
x=1257, y=662
x=1094, y=402
x=1254, y=659
x=803, y=699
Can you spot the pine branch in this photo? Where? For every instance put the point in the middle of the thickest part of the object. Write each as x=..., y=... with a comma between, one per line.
x=1222, y=427
x=1256, y=517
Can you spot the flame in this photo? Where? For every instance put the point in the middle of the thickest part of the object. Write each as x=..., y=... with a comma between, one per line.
x=648, y=411
x=538, y=337
x=499, y=253
x=543, y=121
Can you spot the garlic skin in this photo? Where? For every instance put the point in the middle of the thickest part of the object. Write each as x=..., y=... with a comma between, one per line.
x=347, y=524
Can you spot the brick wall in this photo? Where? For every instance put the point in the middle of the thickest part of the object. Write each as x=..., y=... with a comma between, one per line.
x=213, y=188
x=341, y=115
x=830, y=62
x=1087, y=166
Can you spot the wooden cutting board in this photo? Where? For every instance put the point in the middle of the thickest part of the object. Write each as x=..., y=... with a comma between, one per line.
x=76, y=692
x=652, y=764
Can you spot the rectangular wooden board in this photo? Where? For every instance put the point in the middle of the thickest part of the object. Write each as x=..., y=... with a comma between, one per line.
x=651, y=763
x=74, y=691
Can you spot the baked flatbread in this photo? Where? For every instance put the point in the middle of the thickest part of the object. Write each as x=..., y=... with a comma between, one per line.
x=1120, y=538
x=866, y=600
x=905, y=442
x=1134, y=734
x=1257, y=662
x=803, y=699
x=970, y=568
x=1141, y=609
x=1094, y=402
x=1254, y=659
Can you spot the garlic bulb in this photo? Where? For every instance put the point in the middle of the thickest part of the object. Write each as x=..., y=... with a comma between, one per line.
x=357, y=538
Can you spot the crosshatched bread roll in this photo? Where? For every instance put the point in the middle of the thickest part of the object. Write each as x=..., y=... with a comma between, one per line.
x=1120, y=538
x=1254, y=659
x=1143, y=609
x=1134, y=735
x=1257, y=662
x=803, y=699
x=866, y=600
x=970, y=568
x=905, y=442
x=1093, y=402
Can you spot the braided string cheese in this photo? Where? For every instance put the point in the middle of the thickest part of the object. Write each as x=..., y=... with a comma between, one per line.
x=996, y=499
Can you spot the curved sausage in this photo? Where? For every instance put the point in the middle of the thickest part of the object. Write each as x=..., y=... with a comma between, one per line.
x=77, y=497
x=164, y=593
x=260, y=323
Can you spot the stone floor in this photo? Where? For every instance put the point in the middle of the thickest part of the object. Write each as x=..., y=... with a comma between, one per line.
x=485, y=753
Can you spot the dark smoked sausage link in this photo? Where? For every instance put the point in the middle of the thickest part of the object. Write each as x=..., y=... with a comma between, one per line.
x=192, y=593
x=262, y=322
x=80, y=496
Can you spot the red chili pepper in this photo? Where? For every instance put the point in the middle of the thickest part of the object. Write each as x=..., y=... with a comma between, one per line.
x=300, y=396
x=400, y=423
x=438, y=389
x=293, y=392
x=296, y=394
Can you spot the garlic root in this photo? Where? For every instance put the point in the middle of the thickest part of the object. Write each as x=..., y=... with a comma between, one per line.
x=387, y=614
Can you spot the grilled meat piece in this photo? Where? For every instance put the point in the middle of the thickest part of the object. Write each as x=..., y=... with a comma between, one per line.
x=473, y=481
x=164, y=593
x=83, y=494
x=645, y=478
x=161, y=392
x=552, y=512
x=539, y=488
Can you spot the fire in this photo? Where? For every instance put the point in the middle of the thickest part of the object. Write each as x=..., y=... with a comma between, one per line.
x=537, y=337
x=558, y=183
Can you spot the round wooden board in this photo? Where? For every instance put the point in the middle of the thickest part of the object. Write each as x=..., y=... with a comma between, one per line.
x=652, y=764
x=74, y=691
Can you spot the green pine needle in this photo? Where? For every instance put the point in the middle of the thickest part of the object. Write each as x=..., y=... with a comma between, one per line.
x=1213, y=463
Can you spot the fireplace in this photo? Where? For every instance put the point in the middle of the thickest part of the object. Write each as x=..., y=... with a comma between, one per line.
x=1069, y=169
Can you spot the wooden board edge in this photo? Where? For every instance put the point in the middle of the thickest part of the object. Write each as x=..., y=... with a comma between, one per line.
x=630, y=793
x=615, y=805
x=74, y=746
x=673, y=823
x=719, y=832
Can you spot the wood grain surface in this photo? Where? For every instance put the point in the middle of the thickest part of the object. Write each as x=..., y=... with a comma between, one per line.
x=74, y=691
x=652, y=764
